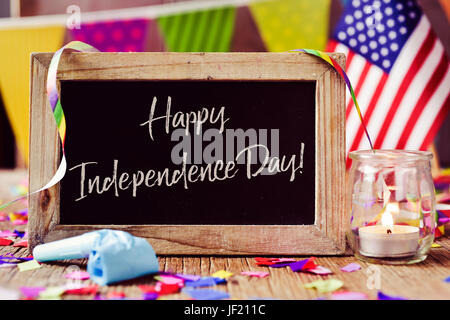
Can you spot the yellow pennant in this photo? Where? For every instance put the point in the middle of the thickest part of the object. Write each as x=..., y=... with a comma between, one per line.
x=16, y=45
x=290, y=24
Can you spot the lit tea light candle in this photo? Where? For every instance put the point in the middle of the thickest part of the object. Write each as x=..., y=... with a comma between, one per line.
x=388, y=240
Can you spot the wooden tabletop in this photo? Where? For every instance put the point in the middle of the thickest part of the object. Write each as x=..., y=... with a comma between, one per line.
x=420, y=281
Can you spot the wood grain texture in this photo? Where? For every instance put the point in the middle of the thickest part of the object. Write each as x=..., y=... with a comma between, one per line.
x=325, y=237
x=420, y=281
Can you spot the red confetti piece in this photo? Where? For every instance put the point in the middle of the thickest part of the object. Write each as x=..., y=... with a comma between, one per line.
x=145, y=288
x=115, y=294
x=23, y=243
x=5, y=242
x=160, y=288
x=83, y=290
x=163, y=288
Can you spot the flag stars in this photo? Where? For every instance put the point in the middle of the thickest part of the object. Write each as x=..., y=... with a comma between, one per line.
x=348, y=19
x=377, y=29
x=392, y=35
x=350, y=31
x=394, y=46
x=360, y=26
x=356, y=3
x=358, y=14
x=380, y=28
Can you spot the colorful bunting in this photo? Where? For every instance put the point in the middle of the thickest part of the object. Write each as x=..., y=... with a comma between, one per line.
x=291, y=24
x=16, y=45
x=113, y=36
x=199, y=31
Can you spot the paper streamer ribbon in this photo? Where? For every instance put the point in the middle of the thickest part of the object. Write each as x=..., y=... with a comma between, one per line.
x=58, y=113
x=337, y=67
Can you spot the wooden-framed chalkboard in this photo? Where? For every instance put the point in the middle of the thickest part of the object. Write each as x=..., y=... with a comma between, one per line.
x=200, y=153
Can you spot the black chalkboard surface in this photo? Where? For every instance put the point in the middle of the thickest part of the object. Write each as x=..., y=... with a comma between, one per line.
x=108, y=130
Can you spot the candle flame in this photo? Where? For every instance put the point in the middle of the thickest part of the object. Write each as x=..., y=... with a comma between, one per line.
x=386, y=219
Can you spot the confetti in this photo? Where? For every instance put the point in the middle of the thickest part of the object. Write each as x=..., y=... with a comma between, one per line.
x=77, y=275
x=325, y=286
x=31, y=292
x=188, y=277
x=447, y=279
x=282, y=260
x=274, y=262
x=204, y=282
x=351, y=267
x=29, y=265
x=303, y=264
x=170, y=280
x=436, y=245
x=280, y=265
x=145, y=288
x=115, y=295
x=206, y=294
x=258, y=274
x=86, y=290
x=7, y=233
x=319, y=270
x=19, y=222
x=162, y=288
x=51, y=293
x=5, y=242
x=149, y=296
x=349, y=295
x=23, y=243
x=222, y=274
x=383, y=296
x=19, y=233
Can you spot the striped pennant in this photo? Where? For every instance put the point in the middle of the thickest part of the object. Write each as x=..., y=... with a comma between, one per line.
x=199, y=31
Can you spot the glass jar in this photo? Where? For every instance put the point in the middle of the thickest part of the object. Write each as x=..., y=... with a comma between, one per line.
x=392, y=205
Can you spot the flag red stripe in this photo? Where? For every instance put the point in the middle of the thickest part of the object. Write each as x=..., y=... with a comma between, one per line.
x=361, y=80
x=429, y=90
x=331, y=46
x=419, y=59
x=373, y=102
x=436, y=124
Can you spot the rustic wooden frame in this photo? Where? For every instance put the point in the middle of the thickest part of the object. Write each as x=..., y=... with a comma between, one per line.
x=325, y=237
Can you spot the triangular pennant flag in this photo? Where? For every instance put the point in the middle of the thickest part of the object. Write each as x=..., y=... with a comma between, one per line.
x=199, y=31
x=16, y=45
x=114, y=35
x=292, y=24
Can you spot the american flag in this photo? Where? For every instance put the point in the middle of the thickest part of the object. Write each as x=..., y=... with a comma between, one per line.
x=399, y=71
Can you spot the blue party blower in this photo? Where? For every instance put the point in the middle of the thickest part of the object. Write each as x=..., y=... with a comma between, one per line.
x=113, y=255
